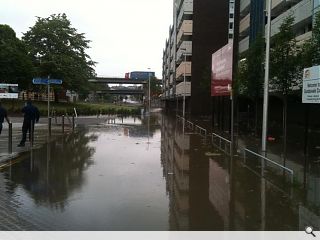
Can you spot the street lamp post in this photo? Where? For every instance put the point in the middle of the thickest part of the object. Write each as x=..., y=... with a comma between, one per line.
x=184, y=85
x=149, y=92
x=266, y=82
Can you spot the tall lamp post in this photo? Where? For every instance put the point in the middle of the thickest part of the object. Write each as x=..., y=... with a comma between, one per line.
x=149, y=108
x=266, y=82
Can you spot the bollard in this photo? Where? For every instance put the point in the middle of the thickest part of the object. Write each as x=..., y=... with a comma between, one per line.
x=49, y=126
x=73, y=124
x=31, y=133
x=62, y=123
x=55, y=117
x=10, y=139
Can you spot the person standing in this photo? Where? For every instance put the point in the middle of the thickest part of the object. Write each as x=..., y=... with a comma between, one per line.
x=31, y=116
x=3, y=115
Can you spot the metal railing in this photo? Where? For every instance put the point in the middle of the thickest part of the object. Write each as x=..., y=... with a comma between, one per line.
x=200, y=130
x=222, y=139
x=189, y=125
x=268, y=160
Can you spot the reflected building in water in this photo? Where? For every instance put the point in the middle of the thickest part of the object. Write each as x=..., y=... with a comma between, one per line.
x=186, y=173
x=209, y=191
x=175, y=161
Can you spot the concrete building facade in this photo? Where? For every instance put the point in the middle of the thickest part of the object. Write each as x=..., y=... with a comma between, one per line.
x=252, y=19
x=200, y=27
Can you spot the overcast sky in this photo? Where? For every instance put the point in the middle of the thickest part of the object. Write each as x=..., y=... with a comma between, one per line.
x=126, y=35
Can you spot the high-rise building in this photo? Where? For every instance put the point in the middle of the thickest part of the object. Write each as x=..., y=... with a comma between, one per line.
x=252, y=19
x=200, y=27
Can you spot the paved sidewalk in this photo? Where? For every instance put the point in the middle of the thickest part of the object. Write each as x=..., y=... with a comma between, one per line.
x=41, y=132
x=40, y=137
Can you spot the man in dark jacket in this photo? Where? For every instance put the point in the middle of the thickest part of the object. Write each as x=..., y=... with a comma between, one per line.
x=3, y=115
x=31, y=116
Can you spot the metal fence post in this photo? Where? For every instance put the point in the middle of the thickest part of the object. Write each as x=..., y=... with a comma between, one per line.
x=10, y=139
x=49, y=125
x=73, y=123
x=55, y=117
x=62, y=123
x=31, y=133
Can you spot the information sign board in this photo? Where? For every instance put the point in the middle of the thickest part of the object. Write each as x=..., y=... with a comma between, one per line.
x=311, y=85
x=8, y=90
x=221, y=72
x=45, y=81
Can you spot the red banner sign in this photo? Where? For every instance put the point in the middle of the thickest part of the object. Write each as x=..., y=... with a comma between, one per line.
x=221, y=72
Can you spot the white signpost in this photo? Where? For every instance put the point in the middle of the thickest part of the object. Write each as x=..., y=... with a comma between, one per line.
x=311, y=85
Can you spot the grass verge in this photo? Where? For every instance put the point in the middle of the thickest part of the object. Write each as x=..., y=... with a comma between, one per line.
x=14, y=108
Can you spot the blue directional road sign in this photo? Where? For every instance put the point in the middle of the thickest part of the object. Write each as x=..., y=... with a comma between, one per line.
x=45, y=81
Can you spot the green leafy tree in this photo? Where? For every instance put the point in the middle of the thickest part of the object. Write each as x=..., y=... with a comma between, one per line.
x=15, y=64
x=250, y=74
x=155, y=87
x=59, y=51
x=284, y=66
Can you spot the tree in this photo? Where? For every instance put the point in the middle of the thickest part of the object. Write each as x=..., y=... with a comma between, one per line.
x=284, y=68
x=15, y=64
x=250, y=74
x=155, y=87
x=58, y=51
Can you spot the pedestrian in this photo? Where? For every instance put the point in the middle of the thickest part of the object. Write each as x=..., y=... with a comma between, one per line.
x=31, y=116
x=3, y=115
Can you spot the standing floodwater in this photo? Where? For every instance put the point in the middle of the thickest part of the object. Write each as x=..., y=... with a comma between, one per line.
x=147, y=174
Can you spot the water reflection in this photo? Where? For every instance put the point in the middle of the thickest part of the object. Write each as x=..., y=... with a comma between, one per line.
x=51, y=174
x=109, y=177
x=210, y=191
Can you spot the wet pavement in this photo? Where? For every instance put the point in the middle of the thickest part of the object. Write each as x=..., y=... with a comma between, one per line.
x=151, y=174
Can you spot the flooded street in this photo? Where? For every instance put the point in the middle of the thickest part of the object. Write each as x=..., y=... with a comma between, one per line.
x=150, y=174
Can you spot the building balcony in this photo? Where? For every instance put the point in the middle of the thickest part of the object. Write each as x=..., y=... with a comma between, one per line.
x=184, y=68
x=184, y=45
x=244, y=24
x=280, y=6
x=185, y=11
x=185, y=29
x=172, y=66
x=244, y=45
x=304, y=37
x=182, y=89
x=245, y=7
x=171, y=80
x=301, y=13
